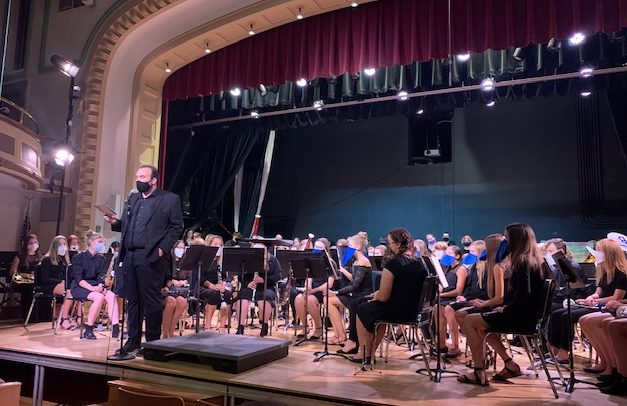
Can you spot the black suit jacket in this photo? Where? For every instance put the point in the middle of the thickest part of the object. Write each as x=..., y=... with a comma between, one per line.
x=164, y=226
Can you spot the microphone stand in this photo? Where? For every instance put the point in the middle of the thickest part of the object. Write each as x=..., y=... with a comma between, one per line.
x=121, y=354
x=321, y=354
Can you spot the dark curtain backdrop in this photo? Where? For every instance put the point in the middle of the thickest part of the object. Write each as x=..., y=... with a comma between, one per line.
x=206, y=165
x=388, y=33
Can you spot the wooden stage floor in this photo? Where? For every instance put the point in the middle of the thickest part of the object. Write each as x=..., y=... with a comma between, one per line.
x=292, y=380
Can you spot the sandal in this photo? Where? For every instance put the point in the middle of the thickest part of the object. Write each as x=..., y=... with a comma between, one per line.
x=477, y=378
x=451, y=355
x=67, y=325
x=335, y=341
x=344, y=352
x=507, y=373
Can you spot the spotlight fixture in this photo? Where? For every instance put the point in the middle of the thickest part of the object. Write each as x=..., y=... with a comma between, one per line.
x=490, y=103
x=63, y=156
x=207, y=49
x=167, y=68
x=421, y=107
x=300, y=16
x=302, y=82
x=586, y=93
x=463, y=57
x=402, y=95
x=318, y=105
x=251, y=32
x=586, y=88
x=235, y=92
x=354, y=4
x=263, y=90
x=586, y=72
x=420, y=111
x=518, y=54
x=487, y=84
x=254, y=114
x=64, y=65
x=370, y=71
x=576, y=39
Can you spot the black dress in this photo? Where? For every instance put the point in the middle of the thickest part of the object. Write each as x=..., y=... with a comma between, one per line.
x=472, y=290
x=87, y=267
x=212, y=296
x=409, y=276
x=523, y=302
x=50, y=275
x=451, y=278
x=353, y=295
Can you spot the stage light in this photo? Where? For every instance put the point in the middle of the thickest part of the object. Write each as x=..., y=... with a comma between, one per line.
x=586, y=93
x=421, y=107
x=262, y=89
x=300, y=16
x=251, y=32
x=487, y=84
x=235, y=92
x=207, y=49
x=354, y=4
x=463, y=57
x=302, y=82
x=490, y=103
x=167, y=68
x=586, y=72
x=420, y=111
x=370, y=71
x=402, y=95
x=318, y=105
x=518, y=54
x=254, y=114
x=63, y=156
x=64, y=65
x=576, y=39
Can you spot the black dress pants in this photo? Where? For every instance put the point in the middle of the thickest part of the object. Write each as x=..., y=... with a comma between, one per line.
x=143, y=281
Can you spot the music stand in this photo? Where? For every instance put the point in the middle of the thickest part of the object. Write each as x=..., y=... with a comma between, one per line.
x=434, y=267
x=303, y=264
x=283, y=256
x=573, y=282
x=243, y=261
x=376, y=261
x=119, y=355
x=199, y=258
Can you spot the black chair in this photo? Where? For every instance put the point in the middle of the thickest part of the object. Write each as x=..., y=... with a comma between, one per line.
x=538, y=335
x=38, y=294
x=424, y=315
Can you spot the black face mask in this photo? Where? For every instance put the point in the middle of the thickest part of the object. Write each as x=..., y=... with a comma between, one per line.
x=143, y=187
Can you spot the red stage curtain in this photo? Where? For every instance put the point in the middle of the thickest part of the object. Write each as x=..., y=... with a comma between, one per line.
x=388, y=33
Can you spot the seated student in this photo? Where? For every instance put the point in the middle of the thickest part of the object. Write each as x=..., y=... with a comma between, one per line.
x=176, y=293
x=521, y=309
x=456, y=274
x=88, y=272
x=213, y=290
x=475, y=288
x=52, y=272
x=351, y=296
x=308, y=300
x=596, y=326
x=253, y=290
x=22, y=272
x=611, y=276
x=398, y=296
x=551, y=247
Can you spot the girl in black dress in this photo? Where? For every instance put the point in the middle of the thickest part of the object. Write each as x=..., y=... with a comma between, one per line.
x=398, y=295
x=521, y=306
x=175, y=292
x=52, y=273
x=22, y=272
x=213, y=290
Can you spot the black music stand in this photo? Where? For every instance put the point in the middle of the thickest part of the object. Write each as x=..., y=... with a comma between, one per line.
x=283, y=256
x=573, y=282
x=121, y=354
x=307, y=264
x=243, y=261
x=199, y=258
x=436, y=269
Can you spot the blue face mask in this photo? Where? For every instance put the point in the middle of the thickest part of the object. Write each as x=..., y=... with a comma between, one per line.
x=501, y=253
x=484, y=255
x=99, y=247
x=315, y=250
x=447, y=260
x=348, y=254
x=470, y=259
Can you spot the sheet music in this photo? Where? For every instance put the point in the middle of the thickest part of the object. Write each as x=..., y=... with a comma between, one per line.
x=439, y=271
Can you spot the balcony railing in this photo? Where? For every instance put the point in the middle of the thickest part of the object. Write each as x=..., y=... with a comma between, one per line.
x=18, y=114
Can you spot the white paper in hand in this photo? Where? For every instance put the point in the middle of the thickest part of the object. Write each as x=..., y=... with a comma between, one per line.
x=439, y=271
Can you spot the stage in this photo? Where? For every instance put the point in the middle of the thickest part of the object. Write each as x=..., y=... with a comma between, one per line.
x=293, y=380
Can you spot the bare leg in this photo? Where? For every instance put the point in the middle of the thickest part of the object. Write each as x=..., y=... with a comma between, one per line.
x=242, y=311
x=224, y=318
x=168, y=310
x=336, y=318
x=266, y=307
x=449, y=315
x=112, y=307
x=209, y=311
x=441, y=327
x=592, y=325
x=313, y=308
x=97, y=300
x=618, y=336
x=179, y=309
x=299, y=305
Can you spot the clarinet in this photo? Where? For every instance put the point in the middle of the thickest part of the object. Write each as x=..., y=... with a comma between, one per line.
x=252, y=300
x=222, y=301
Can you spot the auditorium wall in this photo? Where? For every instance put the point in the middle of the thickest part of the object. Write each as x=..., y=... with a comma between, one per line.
x=516, y=161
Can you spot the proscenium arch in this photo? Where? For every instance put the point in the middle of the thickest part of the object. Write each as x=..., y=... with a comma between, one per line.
x=120, y=115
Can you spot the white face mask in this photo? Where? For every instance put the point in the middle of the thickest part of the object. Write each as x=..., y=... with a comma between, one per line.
x=61, y=250
x=599, y=257
x=33, y=247
x=219, y=253
x=178, y=252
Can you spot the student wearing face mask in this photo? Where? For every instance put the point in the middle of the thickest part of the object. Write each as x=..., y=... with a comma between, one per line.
x=52, y=276
x=446, y=237
x=456, y=274
x=430, y=238
x=73, y=243
x=213, y=288
x=22, y=271
x=552, y=247
x=466, y=241
x=88, y=272
x=175, y=291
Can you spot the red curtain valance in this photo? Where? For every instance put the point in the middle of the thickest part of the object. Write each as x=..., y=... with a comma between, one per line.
x=387, y=33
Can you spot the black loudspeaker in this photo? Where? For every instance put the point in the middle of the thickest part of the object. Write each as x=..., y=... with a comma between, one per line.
x=430, y=138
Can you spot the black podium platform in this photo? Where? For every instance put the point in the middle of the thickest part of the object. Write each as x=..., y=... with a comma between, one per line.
x=224, y=352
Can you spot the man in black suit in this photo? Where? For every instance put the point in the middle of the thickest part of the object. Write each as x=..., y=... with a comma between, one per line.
x=151, y=223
